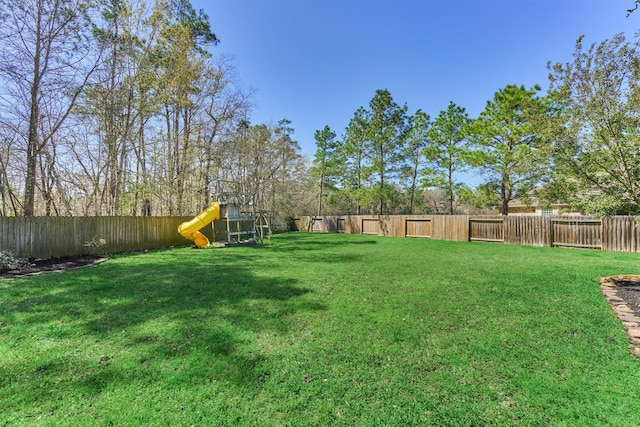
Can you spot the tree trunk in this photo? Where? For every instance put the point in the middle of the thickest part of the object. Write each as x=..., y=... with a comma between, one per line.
x=450, y=185
x=505, y=196
x=321, y=193
x=34, y=119
x=414, y=178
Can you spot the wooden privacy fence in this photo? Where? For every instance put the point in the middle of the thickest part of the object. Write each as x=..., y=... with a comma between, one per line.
x=615, y=234
x=49, y=237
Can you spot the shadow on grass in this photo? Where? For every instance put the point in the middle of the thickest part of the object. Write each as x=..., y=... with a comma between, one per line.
x=307, y=247
x=170, y=317
x=296, y=242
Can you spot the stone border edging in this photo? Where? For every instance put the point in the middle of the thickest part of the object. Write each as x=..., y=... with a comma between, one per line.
x=629, y=320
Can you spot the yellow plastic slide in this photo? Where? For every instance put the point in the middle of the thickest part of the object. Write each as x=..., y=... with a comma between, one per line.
x=189, y=229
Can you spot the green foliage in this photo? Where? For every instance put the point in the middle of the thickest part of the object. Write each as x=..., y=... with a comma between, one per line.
x=603, y=205
x=386, y=131
x=509, y=148
x=595, y=131
x=196, y=21
x=328, y=162
x=374, y=150
x=357, y=172
x=412, y=164
x=328, y=159
x=484, y=197
x=447, y=152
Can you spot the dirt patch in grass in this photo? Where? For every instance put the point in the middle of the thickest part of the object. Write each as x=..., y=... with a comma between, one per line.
x=623, y=293
x=54, y=264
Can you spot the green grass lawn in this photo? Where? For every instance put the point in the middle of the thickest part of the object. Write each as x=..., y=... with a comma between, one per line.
x=317, y=329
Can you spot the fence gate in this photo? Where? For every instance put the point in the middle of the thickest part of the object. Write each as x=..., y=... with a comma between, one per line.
x=417, y=227
x=370, y=226
x=317, y=224
x=576, y=233
x=486, y=229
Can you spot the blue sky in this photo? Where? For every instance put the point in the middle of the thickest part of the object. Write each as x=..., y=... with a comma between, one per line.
x=315, y=62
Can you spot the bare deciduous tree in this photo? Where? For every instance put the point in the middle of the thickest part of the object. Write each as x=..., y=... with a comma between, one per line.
x=45, y=64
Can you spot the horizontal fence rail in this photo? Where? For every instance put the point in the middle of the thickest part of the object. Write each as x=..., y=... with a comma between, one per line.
x=613, y=234
x=53, y=237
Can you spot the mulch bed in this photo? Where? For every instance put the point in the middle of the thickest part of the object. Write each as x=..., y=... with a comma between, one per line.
x=623, y=293
x=54, y=264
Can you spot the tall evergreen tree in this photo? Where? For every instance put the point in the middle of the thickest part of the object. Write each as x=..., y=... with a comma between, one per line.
x=509, y=148
x=447, y=152
x=417, y=141
x=354, y=187
x=325, y=161
x=386, y=130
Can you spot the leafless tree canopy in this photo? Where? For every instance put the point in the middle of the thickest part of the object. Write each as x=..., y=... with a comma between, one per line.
x=124, y=107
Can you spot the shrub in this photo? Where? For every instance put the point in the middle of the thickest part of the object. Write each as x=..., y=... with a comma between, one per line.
x=94, y=245
x=8, y=261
